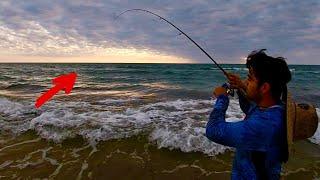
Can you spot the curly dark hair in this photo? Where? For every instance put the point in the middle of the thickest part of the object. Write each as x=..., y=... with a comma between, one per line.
x=273, y=70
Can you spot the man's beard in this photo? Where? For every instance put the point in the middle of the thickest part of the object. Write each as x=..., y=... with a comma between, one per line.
x=257, y=97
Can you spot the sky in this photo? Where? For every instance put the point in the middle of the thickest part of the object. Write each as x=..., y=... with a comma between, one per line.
x=87, y=30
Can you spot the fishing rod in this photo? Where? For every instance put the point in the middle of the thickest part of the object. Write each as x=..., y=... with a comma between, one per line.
x=161, y=18
x=225, y=85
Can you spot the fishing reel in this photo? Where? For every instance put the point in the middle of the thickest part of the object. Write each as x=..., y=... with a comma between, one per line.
x=228, y=88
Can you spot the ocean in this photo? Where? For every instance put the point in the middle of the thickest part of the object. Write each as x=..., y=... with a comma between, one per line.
x=130, y=121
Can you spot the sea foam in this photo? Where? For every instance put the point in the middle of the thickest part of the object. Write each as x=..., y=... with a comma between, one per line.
x=176, y=124
x=316, y=137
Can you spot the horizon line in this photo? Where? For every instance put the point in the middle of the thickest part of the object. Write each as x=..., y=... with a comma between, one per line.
x=130, y=63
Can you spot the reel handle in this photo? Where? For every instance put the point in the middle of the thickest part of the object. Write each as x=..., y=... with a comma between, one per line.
x=228, y=88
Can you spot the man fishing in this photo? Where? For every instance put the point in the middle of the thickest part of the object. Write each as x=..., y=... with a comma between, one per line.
x=260, y=139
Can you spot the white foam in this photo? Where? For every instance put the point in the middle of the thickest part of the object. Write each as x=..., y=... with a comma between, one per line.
x=316, y=137
x=178, y=124
x=186, y=139
x=15, y=116
x=10, y=108
x=103, y=86
x=113, y=100
x=160, y=85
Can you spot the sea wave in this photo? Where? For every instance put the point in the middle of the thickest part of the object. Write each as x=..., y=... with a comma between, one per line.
x=232, y=68
x=176, y=124
x=126, y=86
x=24, y=86
x=316, y=137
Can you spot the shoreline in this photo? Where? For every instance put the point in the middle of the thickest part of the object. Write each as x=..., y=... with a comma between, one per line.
x=27, y=155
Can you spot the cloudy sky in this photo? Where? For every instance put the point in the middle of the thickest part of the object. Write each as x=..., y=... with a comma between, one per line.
x=87, y=31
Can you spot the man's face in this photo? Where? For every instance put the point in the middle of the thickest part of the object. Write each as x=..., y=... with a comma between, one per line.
x=253, y=90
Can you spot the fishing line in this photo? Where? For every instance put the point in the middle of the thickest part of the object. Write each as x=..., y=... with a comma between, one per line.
x=161, y=18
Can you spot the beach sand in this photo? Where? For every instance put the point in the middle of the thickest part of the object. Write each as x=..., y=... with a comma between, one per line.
x=28, y=156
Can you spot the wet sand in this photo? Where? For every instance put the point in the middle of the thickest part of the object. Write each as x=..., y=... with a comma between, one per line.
x=28, y=156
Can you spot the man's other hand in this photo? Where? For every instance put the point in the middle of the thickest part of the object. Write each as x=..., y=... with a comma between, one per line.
x=219, y=90
x=236, y=82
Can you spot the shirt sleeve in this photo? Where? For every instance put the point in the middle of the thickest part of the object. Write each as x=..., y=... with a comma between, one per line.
x=245, y=104
x=247, y=134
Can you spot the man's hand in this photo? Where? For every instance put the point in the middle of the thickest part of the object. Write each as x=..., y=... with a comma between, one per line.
x=235, y=82
x=219, y=90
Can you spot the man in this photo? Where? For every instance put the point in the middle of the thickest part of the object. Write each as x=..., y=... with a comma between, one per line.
x=260, y=139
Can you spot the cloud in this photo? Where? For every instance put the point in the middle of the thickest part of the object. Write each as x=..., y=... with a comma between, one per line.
x=227, y=29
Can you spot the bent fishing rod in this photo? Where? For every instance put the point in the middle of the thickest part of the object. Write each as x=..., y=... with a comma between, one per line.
x=161, y=18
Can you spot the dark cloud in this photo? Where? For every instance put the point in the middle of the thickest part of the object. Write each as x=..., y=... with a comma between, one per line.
x=227, y=29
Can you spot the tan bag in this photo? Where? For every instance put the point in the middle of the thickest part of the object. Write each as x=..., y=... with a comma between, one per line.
x=302, y=120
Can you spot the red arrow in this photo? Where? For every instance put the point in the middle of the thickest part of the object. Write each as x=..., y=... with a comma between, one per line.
x=65, y=82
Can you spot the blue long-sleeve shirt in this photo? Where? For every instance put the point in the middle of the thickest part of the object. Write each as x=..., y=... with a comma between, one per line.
x=258, y=139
